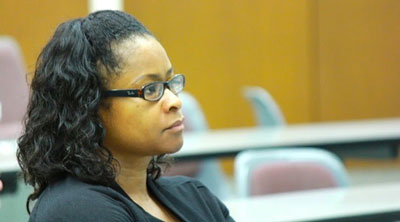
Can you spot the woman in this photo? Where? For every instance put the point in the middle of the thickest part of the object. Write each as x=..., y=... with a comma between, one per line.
x=103, y=111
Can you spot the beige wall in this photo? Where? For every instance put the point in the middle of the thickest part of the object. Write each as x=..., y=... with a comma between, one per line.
x=32, y=22
x=224, y=45
x=359, y=52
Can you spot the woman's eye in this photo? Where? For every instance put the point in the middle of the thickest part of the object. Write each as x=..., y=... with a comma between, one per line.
x=151, y=89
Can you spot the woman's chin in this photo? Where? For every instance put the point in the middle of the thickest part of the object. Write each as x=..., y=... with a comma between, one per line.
x=174, y=147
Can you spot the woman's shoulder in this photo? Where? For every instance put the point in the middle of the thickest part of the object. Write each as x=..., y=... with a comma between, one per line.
x=71, y=188
x=70, y=199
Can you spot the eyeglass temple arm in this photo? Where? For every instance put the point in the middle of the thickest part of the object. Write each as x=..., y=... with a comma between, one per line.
x=124, y=93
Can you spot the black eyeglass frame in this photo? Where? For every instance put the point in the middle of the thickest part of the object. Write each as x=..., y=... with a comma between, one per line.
x=140, y=92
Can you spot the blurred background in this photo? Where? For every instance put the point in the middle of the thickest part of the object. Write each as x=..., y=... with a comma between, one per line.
x=321, y=60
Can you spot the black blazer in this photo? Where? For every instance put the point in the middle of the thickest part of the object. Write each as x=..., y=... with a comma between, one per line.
x=73, y=200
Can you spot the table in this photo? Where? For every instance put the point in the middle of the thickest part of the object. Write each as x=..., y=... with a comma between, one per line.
x=378, y=202
x=8, y=165
x=343, y=138
x=8, y=159
x=379, y=138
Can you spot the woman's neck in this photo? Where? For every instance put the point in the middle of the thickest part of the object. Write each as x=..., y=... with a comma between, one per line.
x=133, y=180
x=133, y=176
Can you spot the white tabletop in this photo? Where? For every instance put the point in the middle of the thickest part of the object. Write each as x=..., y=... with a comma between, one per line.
x=231, y=141
x=318, y=204
x=312, y=134
x=8, y=159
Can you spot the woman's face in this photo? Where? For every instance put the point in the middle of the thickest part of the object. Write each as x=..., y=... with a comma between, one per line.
x=134, y=125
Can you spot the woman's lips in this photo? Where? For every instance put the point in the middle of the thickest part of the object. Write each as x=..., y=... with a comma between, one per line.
x=177, y=126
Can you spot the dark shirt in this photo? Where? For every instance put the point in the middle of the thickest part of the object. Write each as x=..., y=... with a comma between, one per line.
x=73, y=200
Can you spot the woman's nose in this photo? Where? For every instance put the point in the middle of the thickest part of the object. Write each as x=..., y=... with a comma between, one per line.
x=171, y=101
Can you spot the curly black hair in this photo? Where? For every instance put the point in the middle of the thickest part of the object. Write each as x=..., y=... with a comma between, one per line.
x=63, y=133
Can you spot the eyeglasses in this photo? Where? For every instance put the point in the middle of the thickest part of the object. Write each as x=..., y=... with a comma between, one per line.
x=152, y=91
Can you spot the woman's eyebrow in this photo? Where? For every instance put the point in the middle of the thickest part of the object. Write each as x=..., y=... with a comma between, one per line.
x=154, y=76
x=170, y=72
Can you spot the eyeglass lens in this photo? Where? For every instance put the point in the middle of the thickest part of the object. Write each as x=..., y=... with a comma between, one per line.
x=155, y=91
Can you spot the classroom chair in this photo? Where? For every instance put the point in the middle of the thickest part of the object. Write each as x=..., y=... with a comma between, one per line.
x=268, y=171
x=14, y=91
x=14, y=95
x=264, y=107
x=206, y=171
x=13, y=98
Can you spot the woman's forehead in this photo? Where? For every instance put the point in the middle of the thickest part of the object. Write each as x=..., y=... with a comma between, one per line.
x=141, y=57
x=142, y=54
